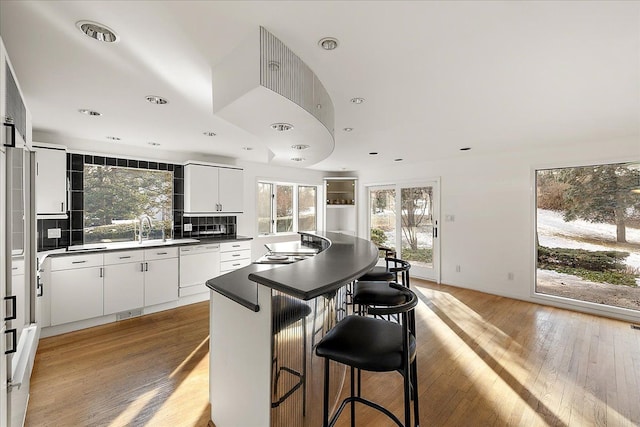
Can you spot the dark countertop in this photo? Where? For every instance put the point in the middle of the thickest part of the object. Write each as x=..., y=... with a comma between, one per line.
x=106, y=247
x=346, y=259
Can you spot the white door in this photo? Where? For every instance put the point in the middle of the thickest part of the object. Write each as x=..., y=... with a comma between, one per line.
x=405, y=218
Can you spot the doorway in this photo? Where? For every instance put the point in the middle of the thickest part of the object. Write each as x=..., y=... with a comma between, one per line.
x=405, y=218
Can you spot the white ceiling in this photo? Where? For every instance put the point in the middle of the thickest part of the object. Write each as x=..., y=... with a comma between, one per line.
x=436, y=76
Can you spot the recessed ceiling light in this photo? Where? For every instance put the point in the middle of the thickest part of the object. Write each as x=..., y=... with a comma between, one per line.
x=97, y=31
x=373, y=153
x=465, y=149
x=247, y=148
x=89, y=112
x=113, y=138
x=347, y=129
x=357, y=100
x=300, y=146
x=158, y=100
x=209, y=133
x=298, y=159
x=328, y=43
x=319, y=106
x=273, y=66
x=281, y=127
x=398, y=160
x=153, y=144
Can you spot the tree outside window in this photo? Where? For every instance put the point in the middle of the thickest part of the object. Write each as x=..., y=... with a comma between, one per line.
x=286, y=208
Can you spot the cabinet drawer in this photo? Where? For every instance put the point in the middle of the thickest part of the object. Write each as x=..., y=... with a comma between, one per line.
x=160, y=253
x=235, y=255
x=226, y=266
x=121, y=257
x=76, y=261
x=235, y=246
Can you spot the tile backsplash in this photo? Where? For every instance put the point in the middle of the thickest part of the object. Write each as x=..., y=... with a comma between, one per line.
x=72, y=229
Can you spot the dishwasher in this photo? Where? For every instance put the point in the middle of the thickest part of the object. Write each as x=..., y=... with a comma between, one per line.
x=198, y=263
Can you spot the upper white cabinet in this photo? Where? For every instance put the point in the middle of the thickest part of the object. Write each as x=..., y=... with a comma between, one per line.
x=51, y=182
x=211, y=190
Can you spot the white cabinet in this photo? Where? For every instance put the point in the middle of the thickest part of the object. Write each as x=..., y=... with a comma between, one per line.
x=234, y=255
x=212, y=189
x=51, y=183
x=160, y=275
x=340, y=214
x=76, y=288
x=123, y=281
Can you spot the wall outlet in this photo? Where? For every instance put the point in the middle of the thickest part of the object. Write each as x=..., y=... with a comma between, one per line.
x=458, y=269
x=510, y=276
x=54, y=233
x=188, y=227
x=449, y=218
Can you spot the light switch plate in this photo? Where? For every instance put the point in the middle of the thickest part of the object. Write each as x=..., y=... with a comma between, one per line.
x=54, y=233
x=188, y=227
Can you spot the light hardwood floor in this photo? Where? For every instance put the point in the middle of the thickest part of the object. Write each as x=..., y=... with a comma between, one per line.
x=483, y=360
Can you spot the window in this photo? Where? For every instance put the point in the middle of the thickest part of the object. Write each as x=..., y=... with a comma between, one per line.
x=588, y=234
x=286, y=207
x=116, y=197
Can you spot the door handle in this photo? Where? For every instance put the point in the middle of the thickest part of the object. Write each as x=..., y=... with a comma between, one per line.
x=14, y=340
x=14, y=307
x=40, y=288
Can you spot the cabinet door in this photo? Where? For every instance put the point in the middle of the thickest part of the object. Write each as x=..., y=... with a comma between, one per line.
x=123, y=287
x=231, y=188
x=200, y=189
x=76, y=294
x=160, y=281
x=51, y=181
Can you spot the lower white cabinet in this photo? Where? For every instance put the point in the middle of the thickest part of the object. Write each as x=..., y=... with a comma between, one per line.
x=76, y=294
x=160, y=275
x=234, y=255
x=123, y=281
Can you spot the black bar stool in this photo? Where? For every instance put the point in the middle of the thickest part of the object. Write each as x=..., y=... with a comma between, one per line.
x=285, y=311
x=374, y=345
x=379, y=293
x=380, y=273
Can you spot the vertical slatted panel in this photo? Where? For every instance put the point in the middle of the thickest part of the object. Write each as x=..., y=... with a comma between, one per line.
x=294, y=348
x=293, y=79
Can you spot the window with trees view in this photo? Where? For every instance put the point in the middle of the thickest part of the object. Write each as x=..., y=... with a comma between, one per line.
x=588, y=233
x=286, y=207
x=116, y=197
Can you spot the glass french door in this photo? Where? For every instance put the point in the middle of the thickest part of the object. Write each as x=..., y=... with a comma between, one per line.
x=405, y=218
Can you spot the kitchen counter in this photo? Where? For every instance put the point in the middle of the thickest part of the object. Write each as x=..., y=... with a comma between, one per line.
x=249, y=330
x=146, y=244
x=345, y=259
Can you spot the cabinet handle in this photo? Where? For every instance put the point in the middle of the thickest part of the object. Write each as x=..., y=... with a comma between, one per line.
x=101, y=272
x=235, y=265
x=161, y=253
x=146, y=266
x=235, y=255
x=61, y=206
x=14, y=341
x=125, y=257
x=142, y=267
x=14, y=306
x=14, y=268
x=40, y=288
x=235, y=246
x=78, y=262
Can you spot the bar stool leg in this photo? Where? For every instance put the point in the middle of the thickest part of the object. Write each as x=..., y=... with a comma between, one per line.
x=353, y=403
x=325, y=413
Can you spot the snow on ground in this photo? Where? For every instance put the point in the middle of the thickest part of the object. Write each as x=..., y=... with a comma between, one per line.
x=554, y=232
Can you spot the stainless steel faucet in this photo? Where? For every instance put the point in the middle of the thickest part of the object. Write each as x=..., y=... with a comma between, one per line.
x=142, y=219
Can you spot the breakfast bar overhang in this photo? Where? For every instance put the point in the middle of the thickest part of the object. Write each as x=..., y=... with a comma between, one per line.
x=265, y=320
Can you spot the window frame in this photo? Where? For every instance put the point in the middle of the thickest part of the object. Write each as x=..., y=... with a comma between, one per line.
x=295, y=207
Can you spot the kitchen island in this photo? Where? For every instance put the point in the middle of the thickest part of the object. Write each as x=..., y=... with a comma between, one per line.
x=265, y=321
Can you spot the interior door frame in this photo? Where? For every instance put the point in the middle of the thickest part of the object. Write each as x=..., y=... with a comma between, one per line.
x=417, y=272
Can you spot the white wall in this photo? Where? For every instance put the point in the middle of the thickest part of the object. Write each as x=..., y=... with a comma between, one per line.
x=491, y=197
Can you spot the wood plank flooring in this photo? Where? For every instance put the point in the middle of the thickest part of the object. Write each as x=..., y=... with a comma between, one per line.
x=483, y=361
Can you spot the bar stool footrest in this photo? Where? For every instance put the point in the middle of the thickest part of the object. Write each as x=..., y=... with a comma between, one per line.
x=364, y=401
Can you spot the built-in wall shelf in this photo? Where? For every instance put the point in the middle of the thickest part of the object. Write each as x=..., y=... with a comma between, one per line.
x=340, y=204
